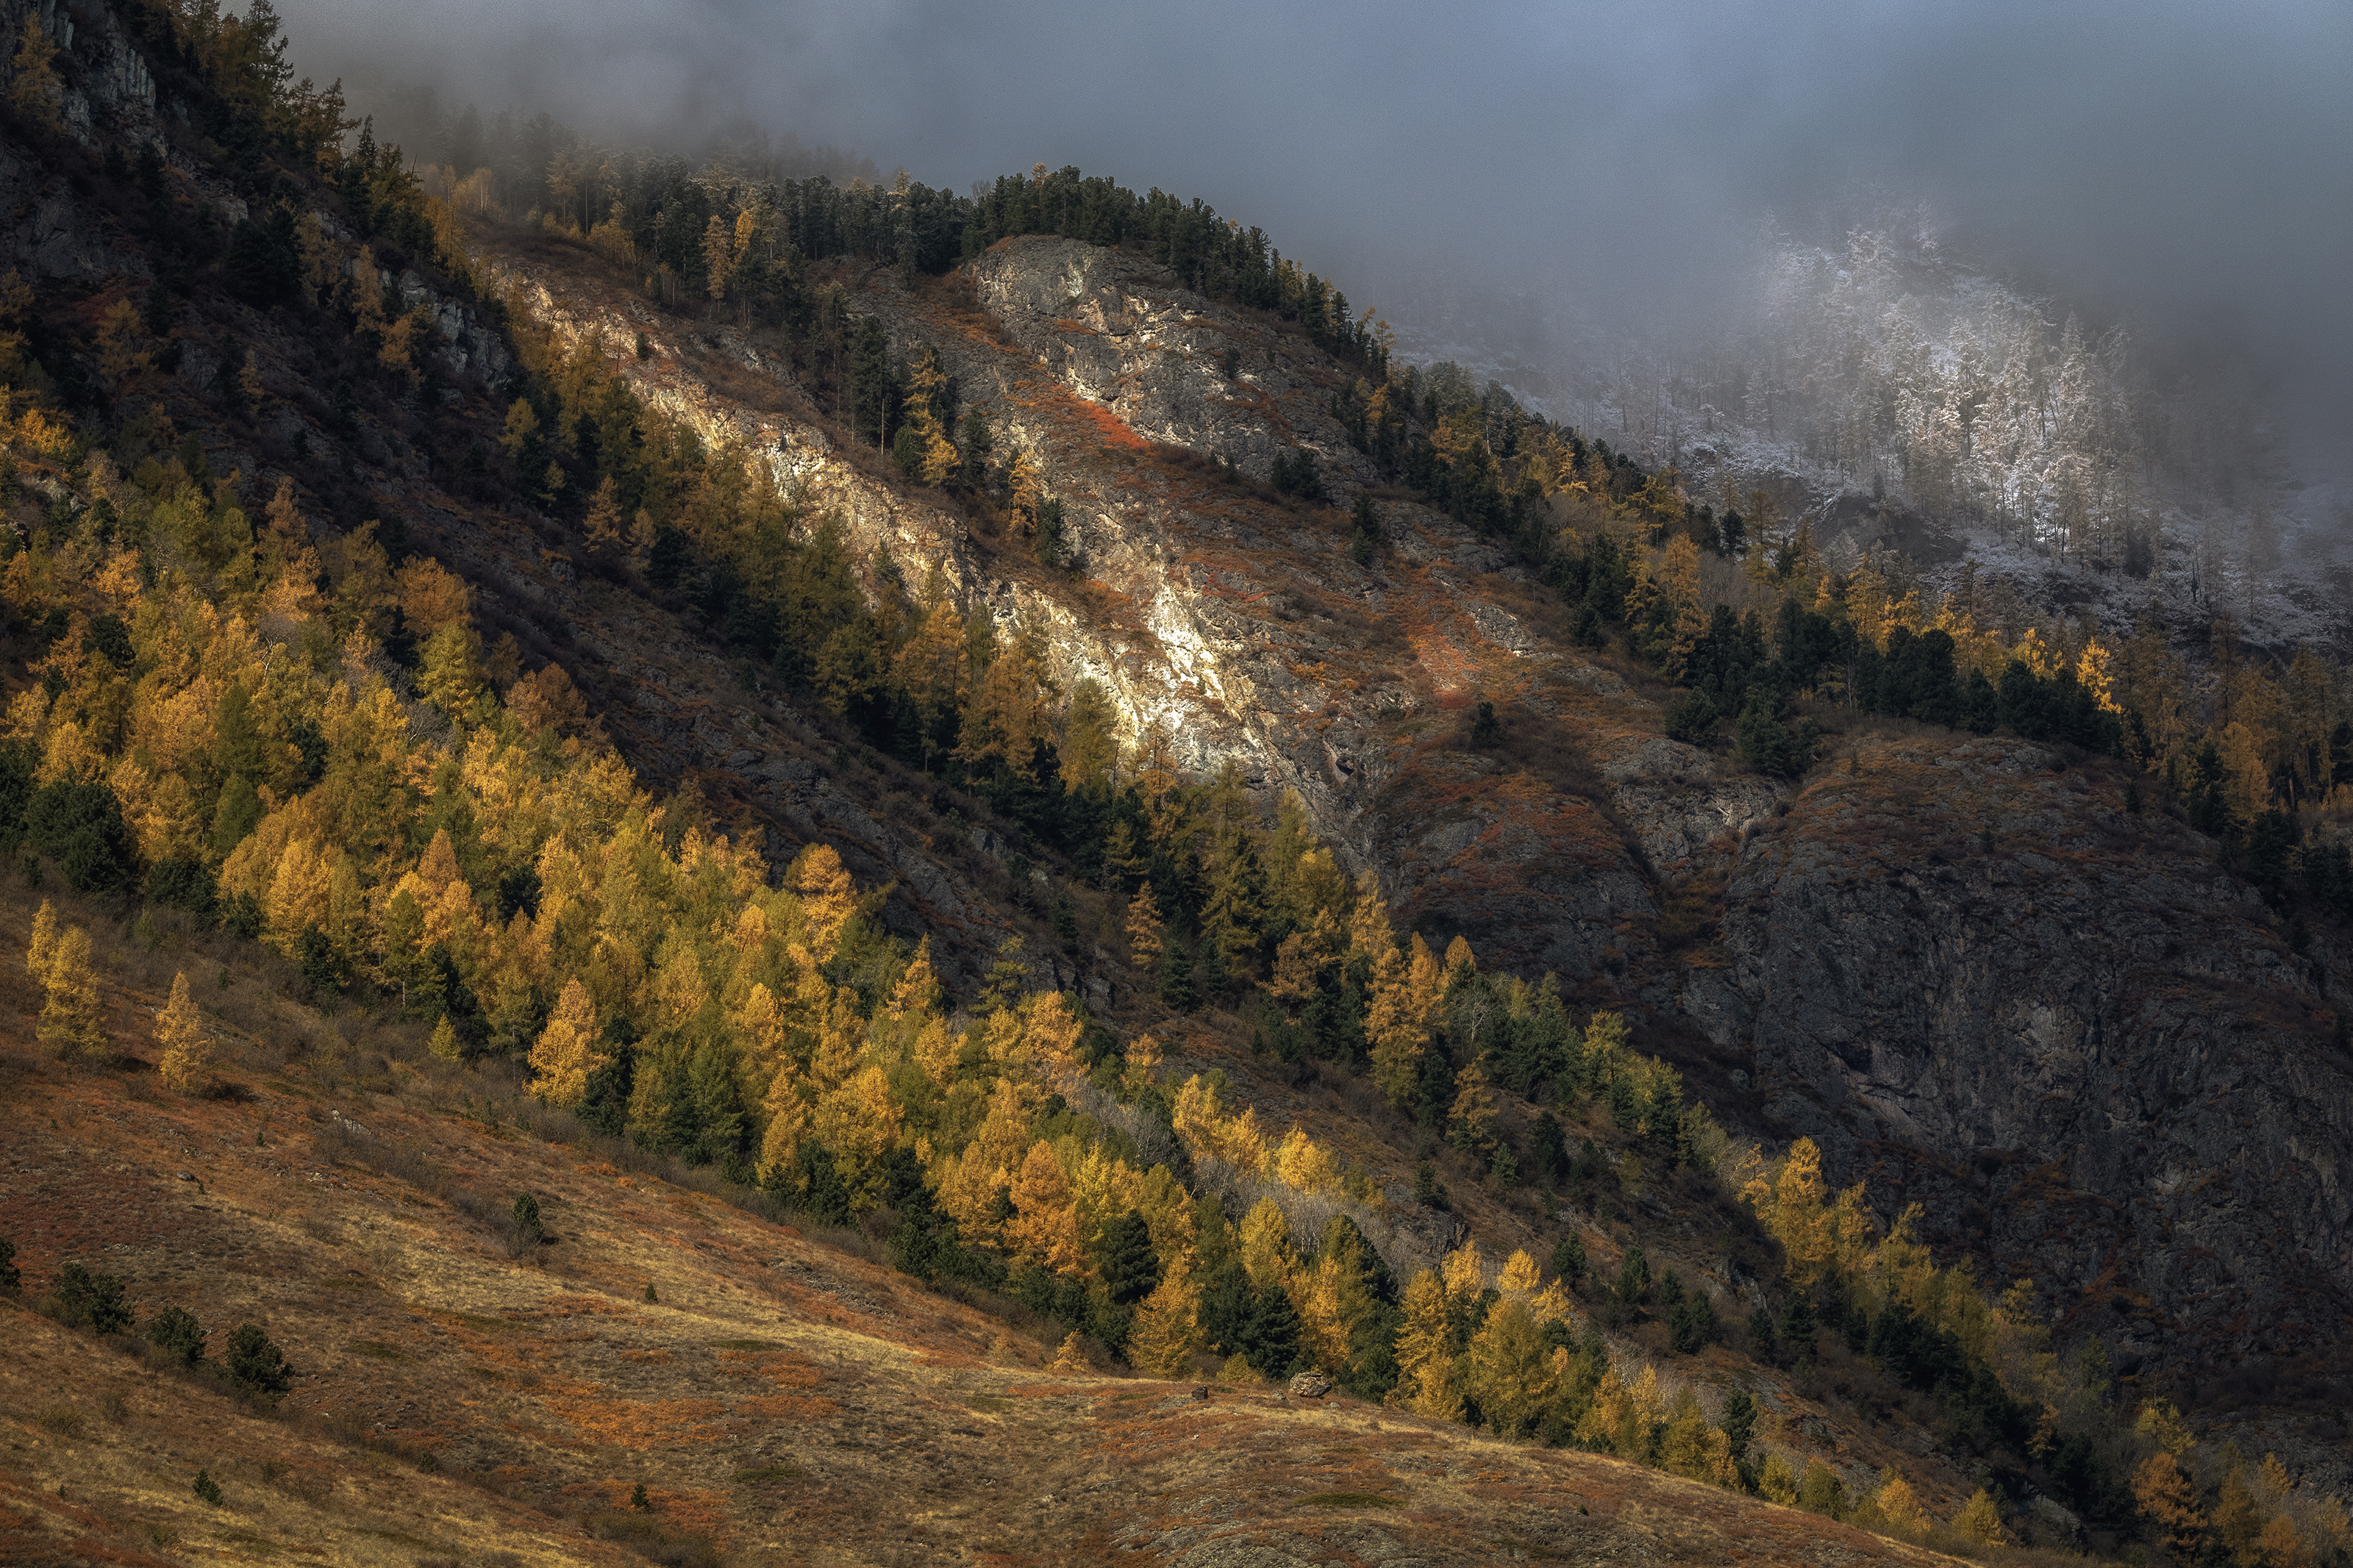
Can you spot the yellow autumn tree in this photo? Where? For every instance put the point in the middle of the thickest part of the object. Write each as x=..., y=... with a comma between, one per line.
x=1265, y=1246
x=2168, y=1500
x=1520, y=1275
x=759, y=1024
x=1144, y=1057
x=71, y=1026
x=1143, y=939
x=1695, y=1448
x=1028, y=487
x=1618, y=1420
x=1979, y=1520
x=34, y=90
x=1406, y=988
x=1471, y=1124
x=1302, y=1162
x=828, y=897
x=1006, y=718
x=1424, y=1351
x=1167, y=1325
x=837, y=1034
x=936, y=455
x=857, y=1122
x=1902, y=1507
x=1814, y=1233
x=44, y=945
x=122, y=351
x=180, y=1032
x=969, y=1182
x=1511, y=1372
x=918, y=991
x=565, y=1054
x=1045, y=1227
x=606, y=529
x=786, y=1107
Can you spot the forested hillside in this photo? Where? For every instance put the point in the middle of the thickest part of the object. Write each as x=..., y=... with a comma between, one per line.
x=1010, y=745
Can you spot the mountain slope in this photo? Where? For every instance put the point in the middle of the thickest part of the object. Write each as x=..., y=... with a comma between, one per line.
x=345, y=536
x=1864, y=1010
x=784, y=1399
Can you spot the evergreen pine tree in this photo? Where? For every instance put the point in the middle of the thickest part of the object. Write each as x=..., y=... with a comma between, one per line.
x=92, y=1302
x=1235, y=906
x=1176, y=978
x=874, y=386
x=1271, y=1334
x=1739, y=1424
x=255, y=1362
x=175, y=1331
x=1129, y=1267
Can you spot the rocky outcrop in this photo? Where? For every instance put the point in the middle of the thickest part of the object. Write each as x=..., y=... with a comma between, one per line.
x=1983, y=984
x=1231, y=624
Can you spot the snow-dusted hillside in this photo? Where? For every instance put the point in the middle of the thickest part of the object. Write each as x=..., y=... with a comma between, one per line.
x=1997, y=427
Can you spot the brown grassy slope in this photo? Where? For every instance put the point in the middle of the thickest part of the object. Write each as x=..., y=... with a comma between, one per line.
x=785, y=1399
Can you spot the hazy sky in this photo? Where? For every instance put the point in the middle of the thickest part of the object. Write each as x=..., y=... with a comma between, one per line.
x=2192, y=163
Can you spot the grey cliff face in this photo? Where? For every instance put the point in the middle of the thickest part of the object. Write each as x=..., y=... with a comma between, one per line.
x=2086, y=1052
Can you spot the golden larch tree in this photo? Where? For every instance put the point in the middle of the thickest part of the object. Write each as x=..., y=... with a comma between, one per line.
x=2168, y=1500
x=828, y=897
x=837, y=1040
x=788, y=1108
x=1695, y=1448
x=1899, y=1505
x=935, y=454
x=1473, y=1121
x=1979, y=1520
x=1167, y=1325
x=565, y=1054
x=859, y=1122
x=1143, y=938
x=1511, y=1371
x=1396, y=1038
x=1425, y=1353
x=605, y=529
x=186, y=1045
x=34, y=90
x=918, y=991
x=44, y=945
x=1045, y=1227
x=70, y=1025
x=1028, y=490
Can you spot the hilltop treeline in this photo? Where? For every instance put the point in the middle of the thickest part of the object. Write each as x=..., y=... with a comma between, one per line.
x=730, y=231
x=1730, y=599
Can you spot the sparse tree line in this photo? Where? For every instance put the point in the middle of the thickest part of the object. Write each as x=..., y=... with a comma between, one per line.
x=250, y=1364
